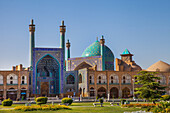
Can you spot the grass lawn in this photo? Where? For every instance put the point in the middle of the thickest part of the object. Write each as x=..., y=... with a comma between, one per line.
x=86, y=107
x=111, y=109
x=73, y=104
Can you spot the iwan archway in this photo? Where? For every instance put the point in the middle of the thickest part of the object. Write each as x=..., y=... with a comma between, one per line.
x=47, y=76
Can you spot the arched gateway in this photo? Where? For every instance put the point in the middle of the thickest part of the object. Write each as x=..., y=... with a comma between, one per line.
x=48, y=71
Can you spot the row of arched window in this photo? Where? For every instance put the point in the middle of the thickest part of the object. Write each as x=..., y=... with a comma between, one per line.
x=13, y=79
x=114, y=79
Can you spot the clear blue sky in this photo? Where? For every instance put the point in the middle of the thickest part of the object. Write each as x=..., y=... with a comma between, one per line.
x=142, y=26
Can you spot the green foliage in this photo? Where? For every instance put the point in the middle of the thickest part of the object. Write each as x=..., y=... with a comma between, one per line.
x=7, y=102
x=150, y=89
x=96, y=97
x=160, y=108
x=45, y=107
x=41, y=100
x=67, y=100
x=101, y=100
x=22, y=98
x=35, y=98
x=165, y=97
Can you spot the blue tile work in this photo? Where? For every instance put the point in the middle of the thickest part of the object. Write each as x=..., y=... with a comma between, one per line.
x=109, y=65
x=73, y=63
x=95, y=50
x=74, y=86
x=84, y=57
x=67, y=73
x=52, y=87
x=126, y=52
x=92, y=56
x=38, y=54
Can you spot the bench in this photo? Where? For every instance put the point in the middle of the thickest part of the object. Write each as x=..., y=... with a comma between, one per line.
x=66, y=104
x=101, y=104
x=111, y=103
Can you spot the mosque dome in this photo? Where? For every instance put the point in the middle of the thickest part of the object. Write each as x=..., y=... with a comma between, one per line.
x=94, y=50
x=159, y=66
x=136, y=67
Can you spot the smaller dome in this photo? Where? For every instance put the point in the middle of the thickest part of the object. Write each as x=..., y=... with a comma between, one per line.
x=159, y=66
x=126, y=52
x=136, y=67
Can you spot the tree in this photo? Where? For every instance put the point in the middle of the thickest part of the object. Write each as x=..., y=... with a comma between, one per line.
x=150, y=89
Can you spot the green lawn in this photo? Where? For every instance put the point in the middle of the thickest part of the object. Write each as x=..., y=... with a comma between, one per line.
x=113, y=109
x=78, y=108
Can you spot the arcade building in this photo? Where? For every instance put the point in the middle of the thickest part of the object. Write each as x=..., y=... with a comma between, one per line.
x=52, y=73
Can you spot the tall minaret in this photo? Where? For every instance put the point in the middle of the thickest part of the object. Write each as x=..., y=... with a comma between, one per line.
x=68, y=53
x=62, y=40
x=68, y=49
x=102, y=41
x=32, y=42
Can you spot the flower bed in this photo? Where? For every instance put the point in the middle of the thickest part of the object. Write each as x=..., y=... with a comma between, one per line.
x=45, y=107
x=168, y=110
x=139, y=105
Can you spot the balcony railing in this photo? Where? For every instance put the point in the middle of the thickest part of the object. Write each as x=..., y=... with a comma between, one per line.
x=91, y=83
x=101, y=83
x=12, y=84
x=114, y=83
x=126, y=83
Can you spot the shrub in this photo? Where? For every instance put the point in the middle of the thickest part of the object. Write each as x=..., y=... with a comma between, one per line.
x=67, y=100
x=96, y=97
x=160, y=108
x=45, y=107
x=22, y=98
x=165, y=97
x=7, y=102
x=101, y=100
x=41, y=100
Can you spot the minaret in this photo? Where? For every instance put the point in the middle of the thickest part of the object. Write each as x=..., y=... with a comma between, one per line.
x=102, y=41
x=68, y=49
x=62, y=40
x=68, y=53
x=32, y=42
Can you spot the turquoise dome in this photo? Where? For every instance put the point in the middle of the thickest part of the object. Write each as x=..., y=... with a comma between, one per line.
x=94, y=50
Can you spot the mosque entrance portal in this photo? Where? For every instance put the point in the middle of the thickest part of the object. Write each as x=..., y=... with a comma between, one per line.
x=44, y=88
x=47, y=73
